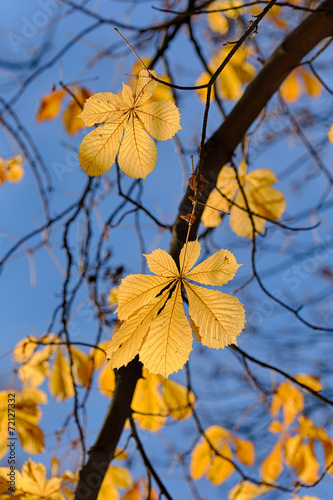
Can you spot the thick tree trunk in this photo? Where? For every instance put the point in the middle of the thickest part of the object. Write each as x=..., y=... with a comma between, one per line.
x=218, y=151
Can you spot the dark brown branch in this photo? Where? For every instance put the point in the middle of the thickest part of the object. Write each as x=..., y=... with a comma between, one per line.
x=102, y=452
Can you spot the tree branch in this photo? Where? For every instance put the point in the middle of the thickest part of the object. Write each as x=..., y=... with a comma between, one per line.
x=218, y=150
x=101, y=454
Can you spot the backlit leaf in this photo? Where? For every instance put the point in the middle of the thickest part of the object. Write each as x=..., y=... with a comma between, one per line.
x=244, y=450
x=115, y=477
x=217, y=270
x=246, y=491
x=310, y=381
x=155, y=325
x=260, y=198
x=50, y=105
x=272, y=466
x=128, y=340
x=212, y=456
x=178, y=399
x=136, y=291
x=161, y=263
x=169, y=341
x=148, y=405
x=129, y=125
x=106, y=381
x=11, y=170
x=27, y=417
x=61, y=382
x=291, y=401
x=218, y=316
x=73, y=123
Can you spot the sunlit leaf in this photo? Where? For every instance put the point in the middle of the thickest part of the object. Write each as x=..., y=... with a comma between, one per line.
x=212, y=456
x=148, y=405
x=115, y=477
x=11, y=170
x=27, y=417
x=260, y=198
x=169, y=341
x=244, y=450
x=50, y=105
x=130, y=122
x=291, y=401
x=218, y=316
x=178, y=400
x=106, y=381
x=310, y=381
x=156, y=327
x=237, y=72
x=70, y=117
x=272, y=466
x=299, y=81
x=246, y=491
x=61, y=381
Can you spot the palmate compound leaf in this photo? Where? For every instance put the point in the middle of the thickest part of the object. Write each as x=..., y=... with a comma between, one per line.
x=129, y=125
x=154, y=322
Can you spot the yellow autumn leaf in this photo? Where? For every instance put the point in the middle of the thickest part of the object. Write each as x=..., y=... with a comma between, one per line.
x=115, y=477
x=274, y=15
x=155, y=325
x=218, y=316
x=291, y=446
x=244, y=450
x=113, y=296
x=310, y=381
x=212, y=456
x=272, y=466
x=306, y=464
x=27, y=417
x=98, y=354
x=291, y=89
x=291, y=401
x=33, y=485
x=11, y=170
x=34, y=360
x=71, y=119
x=234, y=75
x=129, y=125
x=306, y=497
x=155, y=399
x=161, y=92
x=330, y=134
x=106, y=380
x=246, y=491
x=128, y=340
x=141, y=490
x=261, y=198
x=61, y=382
x=50, y=105
x=299, y=81
x=308, y=433
x=221, y=468
x=177, y=399
x=168, y=343
x=148, y=405
x=218, y=21
x=83, y=365
x=4, y=485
